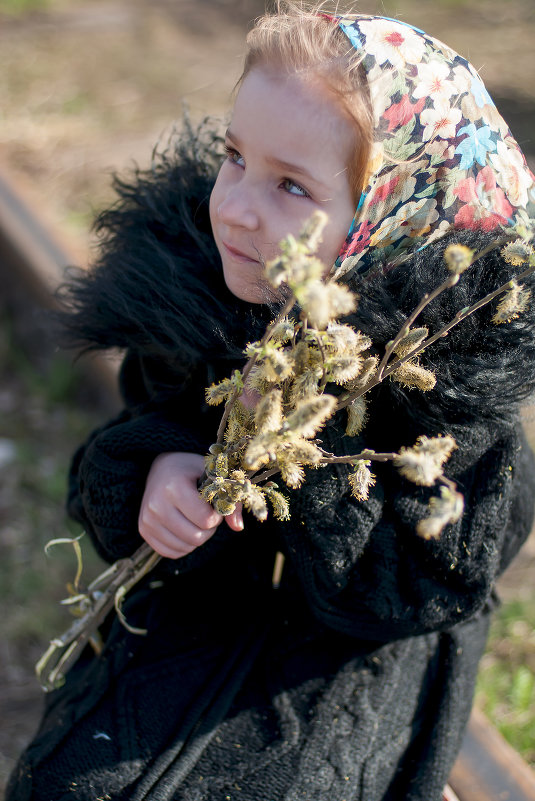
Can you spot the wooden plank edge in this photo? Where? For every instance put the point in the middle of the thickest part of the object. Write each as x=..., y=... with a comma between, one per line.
x=32, y=266
x=488, y=768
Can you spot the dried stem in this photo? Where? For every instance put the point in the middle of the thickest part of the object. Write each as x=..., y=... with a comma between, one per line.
x=66, y=649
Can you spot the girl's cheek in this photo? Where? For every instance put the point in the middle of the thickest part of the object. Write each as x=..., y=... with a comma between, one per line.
x=212, y=203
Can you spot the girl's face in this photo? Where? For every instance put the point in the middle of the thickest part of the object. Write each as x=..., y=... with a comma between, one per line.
x=288, y=148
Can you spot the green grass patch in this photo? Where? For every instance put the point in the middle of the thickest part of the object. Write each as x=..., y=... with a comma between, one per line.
x=19, y=7
x=506, y=682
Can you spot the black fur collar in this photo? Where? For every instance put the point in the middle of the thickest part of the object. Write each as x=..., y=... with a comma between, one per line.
x=157, y=285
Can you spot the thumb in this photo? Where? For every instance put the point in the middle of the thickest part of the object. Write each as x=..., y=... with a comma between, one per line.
x=235, y=520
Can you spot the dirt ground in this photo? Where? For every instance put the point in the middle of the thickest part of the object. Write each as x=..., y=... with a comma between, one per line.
x=87, y=88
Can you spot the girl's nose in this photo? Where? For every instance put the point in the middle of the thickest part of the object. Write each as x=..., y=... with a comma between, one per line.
x=237, y=209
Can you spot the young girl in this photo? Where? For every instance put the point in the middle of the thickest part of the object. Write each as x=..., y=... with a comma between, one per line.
x=354, y=679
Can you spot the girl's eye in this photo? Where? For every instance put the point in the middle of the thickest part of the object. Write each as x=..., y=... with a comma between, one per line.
x=294, y=189
x=233, y=155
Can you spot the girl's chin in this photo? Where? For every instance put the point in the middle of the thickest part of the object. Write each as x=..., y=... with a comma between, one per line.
x=258, y=292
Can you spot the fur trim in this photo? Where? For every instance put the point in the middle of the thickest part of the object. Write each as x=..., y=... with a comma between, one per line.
x=483, y=370
x=157, y=285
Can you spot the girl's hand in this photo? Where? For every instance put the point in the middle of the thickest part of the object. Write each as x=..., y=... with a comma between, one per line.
x=173, y=517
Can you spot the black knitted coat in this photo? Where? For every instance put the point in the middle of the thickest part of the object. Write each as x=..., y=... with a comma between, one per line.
x=351, y=682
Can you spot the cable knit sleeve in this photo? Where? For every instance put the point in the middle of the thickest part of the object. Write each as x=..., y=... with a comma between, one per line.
x=366, y=572
x=108, y=473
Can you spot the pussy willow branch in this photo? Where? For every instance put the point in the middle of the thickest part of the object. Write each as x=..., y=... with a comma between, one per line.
x=288, y=306
x=449, y=282
x=366, y=454
x=464, y=313
x=330, y=458
x=125, y=573
x=459, y=317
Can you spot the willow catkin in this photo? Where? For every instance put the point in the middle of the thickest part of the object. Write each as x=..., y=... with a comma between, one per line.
x=309, y=416
x=356, y=416
x=458, y=258
x=268, y=412
x=410, y=374
x=444, y=510
x=422, y=463
x=513, y=303
x=361, y=480
x=517, y=253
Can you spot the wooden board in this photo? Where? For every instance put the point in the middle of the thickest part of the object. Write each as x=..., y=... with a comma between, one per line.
x=488, y=769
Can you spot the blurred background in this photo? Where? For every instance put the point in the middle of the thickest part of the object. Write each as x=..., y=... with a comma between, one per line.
x=88, y=87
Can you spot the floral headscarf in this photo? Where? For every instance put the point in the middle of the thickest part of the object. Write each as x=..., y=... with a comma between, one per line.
x=442, y=157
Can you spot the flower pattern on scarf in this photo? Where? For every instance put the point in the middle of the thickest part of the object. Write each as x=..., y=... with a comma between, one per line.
x=443, y=157
x=485, y=205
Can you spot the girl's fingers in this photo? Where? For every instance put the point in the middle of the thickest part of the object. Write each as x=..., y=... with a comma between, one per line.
x=172, y=484
x=168, y=543
x=171, y=524
x=186, y=498
x=173, y=518
x=169, y=552
x=235, y=520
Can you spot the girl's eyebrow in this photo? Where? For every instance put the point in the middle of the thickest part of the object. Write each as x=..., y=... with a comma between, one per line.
x=285, y=166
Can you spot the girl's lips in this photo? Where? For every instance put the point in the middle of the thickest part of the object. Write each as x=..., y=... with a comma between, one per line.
x=239, y=254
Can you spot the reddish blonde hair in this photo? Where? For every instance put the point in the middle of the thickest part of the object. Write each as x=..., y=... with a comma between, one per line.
x=297, y=38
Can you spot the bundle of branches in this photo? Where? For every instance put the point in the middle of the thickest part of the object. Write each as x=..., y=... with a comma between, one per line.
x=303, y=352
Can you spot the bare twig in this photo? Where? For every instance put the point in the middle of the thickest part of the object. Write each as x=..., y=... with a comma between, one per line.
x=365, y=455
x=65, y=650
